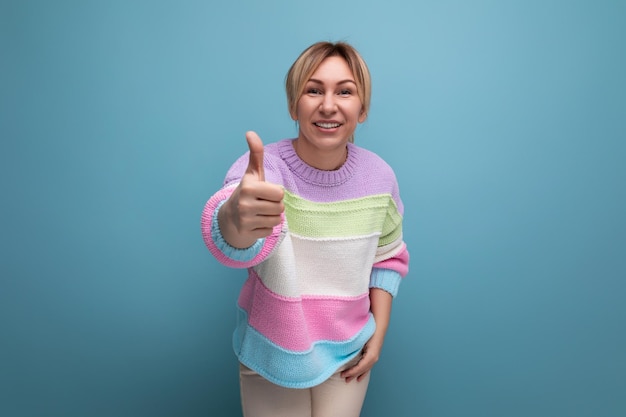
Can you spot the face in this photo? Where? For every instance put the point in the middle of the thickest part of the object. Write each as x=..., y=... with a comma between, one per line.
x=328, y=113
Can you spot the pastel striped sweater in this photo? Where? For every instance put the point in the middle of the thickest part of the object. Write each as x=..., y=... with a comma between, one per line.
x=304, y=309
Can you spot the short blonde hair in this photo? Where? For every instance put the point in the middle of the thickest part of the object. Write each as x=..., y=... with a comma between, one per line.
x=311, y=58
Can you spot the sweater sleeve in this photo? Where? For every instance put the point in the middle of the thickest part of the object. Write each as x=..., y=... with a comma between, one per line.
x=222, y=250
x=391, y=262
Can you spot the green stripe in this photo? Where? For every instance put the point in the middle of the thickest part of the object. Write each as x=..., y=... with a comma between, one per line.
x=347, y=218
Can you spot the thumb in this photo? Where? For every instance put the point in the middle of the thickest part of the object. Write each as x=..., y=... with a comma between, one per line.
x=255, y=165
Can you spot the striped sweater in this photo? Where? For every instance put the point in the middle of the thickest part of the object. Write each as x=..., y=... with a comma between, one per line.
x=304, y=309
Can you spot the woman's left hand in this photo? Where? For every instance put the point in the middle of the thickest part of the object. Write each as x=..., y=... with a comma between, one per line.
x=370, y=355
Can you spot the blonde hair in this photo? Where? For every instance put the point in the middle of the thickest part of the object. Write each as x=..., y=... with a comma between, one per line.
x=311, y=58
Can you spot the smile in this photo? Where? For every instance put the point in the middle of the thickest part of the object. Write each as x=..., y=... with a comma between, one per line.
x=327, y=125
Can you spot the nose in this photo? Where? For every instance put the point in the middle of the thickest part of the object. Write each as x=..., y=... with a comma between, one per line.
x=328, y=104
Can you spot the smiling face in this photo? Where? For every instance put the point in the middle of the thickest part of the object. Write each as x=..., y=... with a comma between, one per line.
x=327, y=112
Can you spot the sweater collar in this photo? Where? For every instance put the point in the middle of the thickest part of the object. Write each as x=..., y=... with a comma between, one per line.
x=316, y=176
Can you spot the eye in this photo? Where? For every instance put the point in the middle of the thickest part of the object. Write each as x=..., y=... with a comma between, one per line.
x=345, y=92
x=314, y=91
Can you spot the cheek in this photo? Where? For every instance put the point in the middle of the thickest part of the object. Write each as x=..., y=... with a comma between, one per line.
x=358, y=113
x=303, y=108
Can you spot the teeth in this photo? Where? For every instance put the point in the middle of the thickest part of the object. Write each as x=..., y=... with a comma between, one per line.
x=328, y=125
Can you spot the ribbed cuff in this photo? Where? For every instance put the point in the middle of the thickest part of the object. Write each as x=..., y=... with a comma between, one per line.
x=385, y=279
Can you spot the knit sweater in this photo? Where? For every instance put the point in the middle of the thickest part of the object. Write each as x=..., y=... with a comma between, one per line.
x=304, y=310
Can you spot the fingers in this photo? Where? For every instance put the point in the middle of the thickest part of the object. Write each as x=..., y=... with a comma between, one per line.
x=253, y=206
x=255, y=164
x=359, y=370
x=264, y=191
x=261, y=226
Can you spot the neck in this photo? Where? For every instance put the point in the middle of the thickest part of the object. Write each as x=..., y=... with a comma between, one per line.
x=329, y=160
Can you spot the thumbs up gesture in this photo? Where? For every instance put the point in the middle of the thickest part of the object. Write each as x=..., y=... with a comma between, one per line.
x=255, y=207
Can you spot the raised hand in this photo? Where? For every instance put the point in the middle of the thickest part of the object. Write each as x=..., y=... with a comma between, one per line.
x=255, y=206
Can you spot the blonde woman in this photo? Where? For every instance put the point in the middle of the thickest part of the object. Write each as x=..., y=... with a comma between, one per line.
x=317, y=223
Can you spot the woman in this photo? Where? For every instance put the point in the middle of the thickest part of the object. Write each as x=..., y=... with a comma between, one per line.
x=317, y=222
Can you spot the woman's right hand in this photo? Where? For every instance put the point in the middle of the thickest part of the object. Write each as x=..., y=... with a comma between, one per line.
x=255, y=207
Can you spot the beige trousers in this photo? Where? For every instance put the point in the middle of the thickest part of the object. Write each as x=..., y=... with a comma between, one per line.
x=332, y=398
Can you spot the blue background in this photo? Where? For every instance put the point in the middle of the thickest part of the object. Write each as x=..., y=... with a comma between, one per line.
x=504, y=120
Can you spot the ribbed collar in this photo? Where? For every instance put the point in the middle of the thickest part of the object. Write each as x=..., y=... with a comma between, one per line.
x=317, y=176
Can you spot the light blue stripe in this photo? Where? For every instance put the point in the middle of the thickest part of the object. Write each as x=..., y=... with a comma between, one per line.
x=385, y=279
x=295, y=369
x=236, y=254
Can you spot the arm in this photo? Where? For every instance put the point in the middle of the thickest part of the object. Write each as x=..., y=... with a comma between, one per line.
x=380, y=301
x=391, y=265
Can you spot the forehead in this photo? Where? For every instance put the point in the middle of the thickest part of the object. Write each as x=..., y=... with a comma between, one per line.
x=333, y=68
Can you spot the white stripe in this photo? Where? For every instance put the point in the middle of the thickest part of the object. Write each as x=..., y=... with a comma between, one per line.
x=325, y=267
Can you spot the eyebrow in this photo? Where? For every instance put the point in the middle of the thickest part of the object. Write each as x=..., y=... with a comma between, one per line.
x=314, y=80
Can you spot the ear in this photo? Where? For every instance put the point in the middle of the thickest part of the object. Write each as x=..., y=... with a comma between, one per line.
x=362, y=116
x=294, y=115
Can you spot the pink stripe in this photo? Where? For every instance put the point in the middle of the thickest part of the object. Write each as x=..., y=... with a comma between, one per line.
x=399, y=263
x=296, y=323
x=207, y=220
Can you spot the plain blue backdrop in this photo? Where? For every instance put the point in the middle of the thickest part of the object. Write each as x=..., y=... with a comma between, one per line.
x=504, y=120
